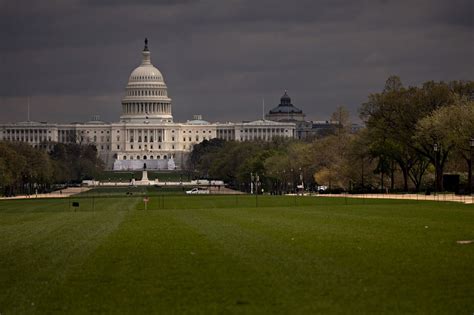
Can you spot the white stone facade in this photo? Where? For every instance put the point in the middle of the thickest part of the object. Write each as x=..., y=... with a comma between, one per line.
x=146, y=132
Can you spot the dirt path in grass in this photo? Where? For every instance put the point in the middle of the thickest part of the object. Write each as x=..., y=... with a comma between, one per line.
x=63, y=193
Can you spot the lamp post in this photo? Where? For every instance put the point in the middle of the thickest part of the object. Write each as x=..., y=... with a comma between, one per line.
x=257, y=183
x=292, y=180
x=302, y=182
x=257, y=179
x=471, y=150
x=251, y=183
x=284, y=183
x=435, y=149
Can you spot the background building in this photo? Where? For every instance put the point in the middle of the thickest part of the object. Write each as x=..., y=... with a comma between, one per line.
x=146, y=132
x=287, y=112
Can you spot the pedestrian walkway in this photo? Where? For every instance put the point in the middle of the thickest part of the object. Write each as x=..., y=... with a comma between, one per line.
x=63, y=193
x=438, y=197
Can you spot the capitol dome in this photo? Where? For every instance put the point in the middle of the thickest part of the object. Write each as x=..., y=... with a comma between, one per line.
x=146, y=96
x=146, y=71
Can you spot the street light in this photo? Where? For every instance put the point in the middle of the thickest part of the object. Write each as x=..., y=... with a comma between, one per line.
x=284, y=183
x=471, y=146
x=251, y=183
x=435, y=149
x=257, y=180
x=302, y=182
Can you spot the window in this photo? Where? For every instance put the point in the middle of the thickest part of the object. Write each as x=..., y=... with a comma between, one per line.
x=172, y=138
x=118, y=147
x=124, y=157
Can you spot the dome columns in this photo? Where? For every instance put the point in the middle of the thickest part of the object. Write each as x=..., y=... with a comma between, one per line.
x=154, y=108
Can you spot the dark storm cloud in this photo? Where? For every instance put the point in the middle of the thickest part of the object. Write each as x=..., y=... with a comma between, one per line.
x=116, y=3
x=220, y=58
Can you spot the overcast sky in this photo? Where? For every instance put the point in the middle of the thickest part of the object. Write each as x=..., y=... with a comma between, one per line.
x=220, y=58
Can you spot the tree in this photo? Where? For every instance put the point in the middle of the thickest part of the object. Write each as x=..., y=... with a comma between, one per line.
x=330, y=160
x=434, y=142
x=450, y=128
x=342, y=116
x=392, y=118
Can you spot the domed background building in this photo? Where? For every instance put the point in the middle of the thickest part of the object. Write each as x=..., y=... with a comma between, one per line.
x=285, y=111
x=146, y=132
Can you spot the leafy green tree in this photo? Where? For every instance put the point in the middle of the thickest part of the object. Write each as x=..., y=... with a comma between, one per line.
x=450, y=128
x=392, y=118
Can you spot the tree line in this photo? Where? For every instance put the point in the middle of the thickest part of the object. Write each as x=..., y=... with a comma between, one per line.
x=28, y=170
x=412, y=137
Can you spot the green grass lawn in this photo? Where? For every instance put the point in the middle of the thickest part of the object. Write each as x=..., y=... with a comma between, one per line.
x=222, y=254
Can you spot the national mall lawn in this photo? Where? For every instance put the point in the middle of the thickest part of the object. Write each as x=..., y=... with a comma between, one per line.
x=223, y=254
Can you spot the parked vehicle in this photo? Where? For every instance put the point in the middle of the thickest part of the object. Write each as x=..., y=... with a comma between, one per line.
x=197, y=191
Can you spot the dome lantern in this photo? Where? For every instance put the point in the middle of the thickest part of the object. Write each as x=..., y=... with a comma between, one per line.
x=146, y=54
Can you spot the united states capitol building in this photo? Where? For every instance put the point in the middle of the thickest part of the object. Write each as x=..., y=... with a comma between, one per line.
x=146, y=131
